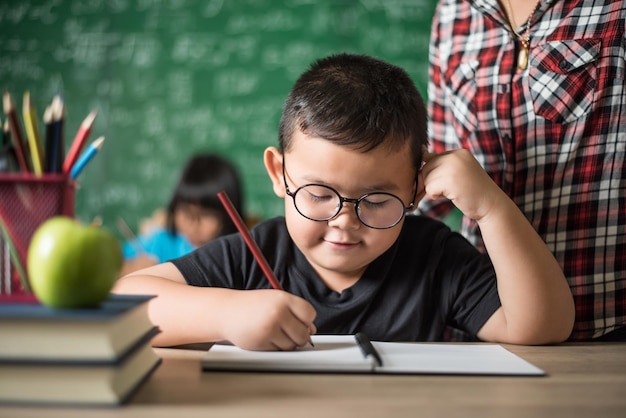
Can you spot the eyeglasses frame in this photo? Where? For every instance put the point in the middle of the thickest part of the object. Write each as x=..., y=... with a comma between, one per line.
x=355, y=202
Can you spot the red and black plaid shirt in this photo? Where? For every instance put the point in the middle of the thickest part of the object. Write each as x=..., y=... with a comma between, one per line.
x=552, y=136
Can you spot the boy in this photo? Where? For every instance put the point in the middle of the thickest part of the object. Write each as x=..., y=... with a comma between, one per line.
x=350, y=259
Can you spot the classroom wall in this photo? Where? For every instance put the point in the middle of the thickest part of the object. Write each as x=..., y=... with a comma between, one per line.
x=171, y=77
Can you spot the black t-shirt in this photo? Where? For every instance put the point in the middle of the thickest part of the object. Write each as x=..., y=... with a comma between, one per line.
x=429, y=279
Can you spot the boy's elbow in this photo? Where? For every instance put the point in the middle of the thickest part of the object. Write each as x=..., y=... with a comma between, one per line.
x=554, y=325
x=551, y=327
x=552, y=331
x=543, y=336
x=566, y=325
x=561, y=326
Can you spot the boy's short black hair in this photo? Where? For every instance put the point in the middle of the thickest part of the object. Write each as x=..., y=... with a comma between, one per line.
x=202, y=177
x=357, y=101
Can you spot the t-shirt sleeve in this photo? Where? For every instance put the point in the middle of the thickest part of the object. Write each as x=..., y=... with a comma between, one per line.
x=227, y=262
x=213, y=265
x=472, y=287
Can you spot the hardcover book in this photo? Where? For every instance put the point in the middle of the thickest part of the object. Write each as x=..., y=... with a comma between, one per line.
x=77, y=384
x=33, y=332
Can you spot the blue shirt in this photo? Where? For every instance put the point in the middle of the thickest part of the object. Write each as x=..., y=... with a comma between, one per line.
x=159, y=243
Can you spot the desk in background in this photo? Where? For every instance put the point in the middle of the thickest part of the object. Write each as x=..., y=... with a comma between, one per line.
x=584, y=380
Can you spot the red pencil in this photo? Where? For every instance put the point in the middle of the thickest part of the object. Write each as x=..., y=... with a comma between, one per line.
x=256, y=251
x=243, y=230
x=79, y=142
x=16, y=132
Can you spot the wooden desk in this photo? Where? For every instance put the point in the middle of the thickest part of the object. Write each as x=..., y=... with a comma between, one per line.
x=584, y=380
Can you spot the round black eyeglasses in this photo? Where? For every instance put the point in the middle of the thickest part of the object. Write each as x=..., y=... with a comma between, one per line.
x=377, y=210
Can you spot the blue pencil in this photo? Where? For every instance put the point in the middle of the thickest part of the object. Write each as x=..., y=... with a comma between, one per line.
x=86, y=156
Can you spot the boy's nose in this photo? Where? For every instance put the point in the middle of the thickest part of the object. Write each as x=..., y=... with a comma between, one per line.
x=346, y=218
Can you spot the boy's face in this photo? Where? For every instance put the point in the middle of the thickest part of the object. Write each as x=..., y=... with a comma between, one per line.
x=340, y=248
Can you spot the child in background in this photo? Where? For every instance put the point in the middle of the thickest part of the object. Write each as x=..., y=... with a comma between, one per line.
x=194, y=215
x=347, y=253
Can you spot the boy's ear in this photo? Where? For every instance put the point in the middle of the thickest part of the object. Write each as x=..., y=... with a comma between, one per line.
x=273, y=160
x=421, y=190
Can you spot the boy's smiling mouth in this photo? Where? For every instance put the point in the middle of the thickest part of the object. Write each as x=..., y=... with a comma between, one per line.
x=341, y=245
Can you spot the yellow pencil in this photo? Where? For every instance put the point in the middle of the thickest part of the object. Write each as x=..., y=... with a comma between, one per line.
x=32, y=131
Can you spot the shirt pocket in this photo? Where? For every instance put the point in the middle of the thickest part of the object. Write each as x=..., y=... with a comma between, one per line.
x=562, y=78
x=461, y=88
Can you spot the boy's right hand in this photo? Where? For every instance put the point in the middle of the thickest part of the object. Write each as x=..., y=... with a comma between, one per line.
x=267, y=320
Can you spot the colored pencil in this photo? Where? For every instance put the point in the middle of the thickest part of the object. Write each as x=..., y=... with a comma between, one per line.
x=48, y=135
x=8, y=160
x=86, y=156
x=252, y=245
x=16, y=132
x=79, y=142
x=6, y=133
x=54, y=144
x=243, y=230
x=32, y=132
x=14, y=255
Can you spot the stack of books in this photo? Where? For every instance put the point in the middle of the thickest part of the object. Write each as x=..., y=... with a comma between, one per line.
x=94, y=356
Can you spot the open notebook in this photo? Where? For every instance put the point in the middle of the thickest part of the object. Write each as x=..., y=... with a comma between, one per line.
x=356, y=354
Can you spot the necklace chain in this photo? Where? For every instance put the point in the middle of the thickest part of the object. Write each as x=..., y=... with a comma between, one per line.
x=522, y=58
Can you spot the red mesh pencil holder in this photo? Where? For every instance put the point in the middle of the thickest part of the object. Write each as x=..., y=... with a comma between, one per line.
x=26, y=201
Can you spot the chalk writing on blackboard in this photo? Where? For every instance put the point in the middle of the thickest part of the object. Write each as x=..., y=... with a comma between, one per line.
x=170, y=77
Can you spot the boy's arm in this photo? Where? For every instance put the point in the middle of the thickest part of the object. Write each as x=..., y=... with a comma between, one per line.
x=251, y=319
x=537, y=304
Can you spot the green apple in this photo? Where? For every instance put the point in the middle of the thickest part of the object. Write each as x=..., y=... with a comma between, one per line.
x=71, y=265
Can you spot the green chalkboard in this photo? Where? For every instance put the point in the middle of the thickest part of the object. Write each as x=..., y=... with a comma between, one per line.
x=171, y=77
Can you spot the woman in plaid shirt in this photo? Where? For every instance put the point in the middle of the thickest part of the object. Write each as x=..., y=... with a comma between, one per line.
x=543, y=108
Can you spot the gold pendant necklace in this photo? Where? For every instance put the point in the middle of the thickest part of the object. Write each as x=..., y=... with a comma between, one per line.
x=522, y=56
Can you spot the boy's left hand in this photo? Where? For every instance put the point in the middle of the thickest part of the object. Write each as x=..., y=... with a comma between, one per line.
x=457, y=176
